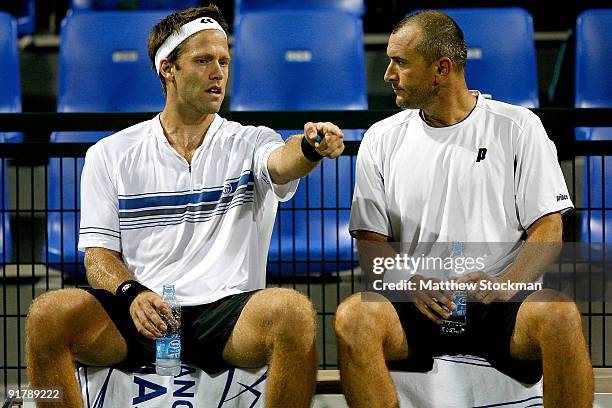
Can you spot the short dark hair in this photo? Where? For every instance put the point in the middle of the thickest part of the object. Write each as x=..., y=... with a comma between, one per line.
x=441, y=37
x=172, y=24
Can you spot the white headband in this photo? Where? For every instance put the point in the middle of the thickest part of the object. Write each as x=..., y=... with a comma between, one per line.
x=187, y=30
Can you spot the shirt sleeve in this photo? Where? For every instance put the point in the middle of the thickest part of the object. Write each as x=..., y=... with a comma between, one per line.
x=99, y=205
x=539, y=185
x=369, y=207
x=267, y=142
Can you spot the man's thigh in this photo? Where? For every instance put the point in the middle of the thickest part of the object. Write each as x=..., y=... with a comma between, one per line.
x=207, y=328
x=537, y=307
x=95, y=339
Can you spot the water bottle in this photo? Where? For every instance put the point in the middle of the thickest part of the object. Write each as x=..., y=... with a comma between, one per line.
x=457, y=321
x=168, y=345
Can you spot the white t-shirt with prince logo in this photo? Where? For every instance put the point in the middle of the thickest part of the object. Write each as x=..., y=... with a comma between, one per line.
x=486, y=179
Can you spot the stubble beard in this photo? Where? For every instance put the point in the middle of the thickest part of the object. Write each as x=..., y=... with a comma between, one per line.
x=417, y=98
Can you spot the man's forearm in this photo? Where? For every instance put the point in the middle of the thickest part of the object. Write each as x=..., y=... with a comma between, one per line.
x=288, y=163
x=296, y=159
x=539, y=251
x=105, y=269
x=532, y=261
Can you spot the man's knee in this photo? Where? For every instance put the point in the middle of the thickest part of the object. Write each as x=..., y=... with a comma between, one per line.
x=550, y=314
x=291, y=315
x=55, y=318
x=357, y=319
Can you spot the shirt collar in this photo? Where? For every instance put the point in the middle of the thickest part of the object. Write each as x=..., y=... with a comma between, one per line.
x=158, y=130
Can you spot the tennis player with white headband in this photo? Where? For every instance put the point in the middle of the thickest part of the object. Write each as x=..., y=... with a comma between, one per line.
x=187, y=198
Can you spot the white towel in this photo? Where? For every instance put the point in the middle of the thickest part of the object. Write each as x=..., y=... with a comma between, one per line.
x=454, y=382
x=464, y=381
x=104, y=387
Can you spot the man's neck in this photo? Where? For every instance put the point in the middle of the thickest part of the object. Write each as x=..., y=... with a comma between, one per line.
x=449, y=109
x=185, y=132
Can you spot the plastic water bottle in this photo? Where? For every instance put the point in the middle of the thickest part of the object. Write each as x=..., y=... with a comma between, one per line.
x=457, y=321
x=168, y=345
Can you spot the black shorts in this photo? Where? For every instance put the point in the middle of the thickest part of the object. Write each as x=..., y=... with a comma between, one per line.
x=205, y=330
x=488, y=334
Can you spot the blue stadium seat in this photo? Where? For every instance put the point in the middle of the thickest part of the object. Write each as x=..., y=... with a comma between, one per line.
x=10, y=92
x=10, y=101
x=103, y=67
x=24, y=13
x=26, y=21
x=501, y=53
x=79, y=5
x=305, y=69
x=356, y=7
x=594, y=90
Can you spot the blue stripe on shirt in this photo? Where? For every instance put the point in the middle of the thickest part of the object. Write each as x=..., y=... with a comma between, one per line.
x=182, y=199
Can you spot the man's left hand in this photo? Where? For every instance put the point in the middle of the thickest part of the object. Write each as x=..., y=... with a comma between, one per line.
x=329, y=143
x=482, y=292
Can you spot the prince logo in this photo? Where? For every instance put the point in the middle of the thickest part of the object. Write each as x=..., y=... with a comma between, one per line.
x=482, y=152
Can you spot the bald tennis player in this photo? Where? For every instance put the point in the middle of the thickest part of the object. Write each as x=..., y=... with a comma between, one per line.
x=186, y=198
x=456, y=168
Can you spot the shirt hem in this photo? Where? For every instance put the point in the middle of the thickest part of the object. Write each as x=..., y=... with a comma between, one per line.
x=561, y=210
x=84, y=244
x=352, y=231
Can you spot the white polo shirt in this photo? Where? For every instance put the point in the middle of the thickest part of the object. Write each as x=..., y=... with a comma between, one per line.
x=203, y=227
x=485, y=179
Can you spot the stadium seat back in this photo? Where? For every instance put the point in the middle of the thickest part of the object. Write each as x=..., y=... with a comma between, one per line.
x=26, y=19
x=286, y=68
x=104, y=66
x=593, y=48
x=24, y=12
x=501, y=53
x=10, y=94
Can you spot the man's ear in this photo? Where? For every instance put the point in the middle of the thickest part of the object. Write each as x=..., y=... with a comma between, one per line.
x=166, y=69
x=444, y=66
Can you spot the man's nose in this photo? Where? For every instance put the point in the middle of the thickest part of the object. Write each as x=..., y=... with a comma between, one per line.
x=390, y=73
x=217, y=72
